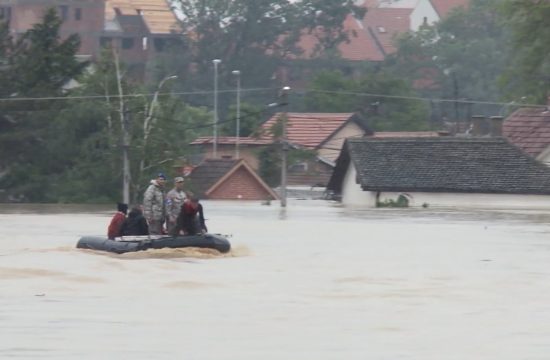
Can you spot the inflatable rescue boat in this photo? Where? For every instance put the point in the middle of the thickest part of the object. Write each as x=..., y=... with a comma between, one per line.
x=138, y=243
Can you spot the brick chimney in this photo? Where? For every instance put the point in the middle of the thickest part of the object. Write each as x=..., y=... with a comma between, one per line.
x=478, y=122
x=496, y=125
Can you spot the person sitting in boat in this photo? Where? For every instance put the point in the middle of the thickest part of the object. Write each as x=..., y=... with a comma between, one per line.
x=135, y=224
x=115, y=225
x=191, y=218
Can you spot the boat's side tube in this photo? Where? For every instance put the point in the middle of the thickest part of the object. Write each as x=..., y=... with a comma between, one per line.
x=103, y=244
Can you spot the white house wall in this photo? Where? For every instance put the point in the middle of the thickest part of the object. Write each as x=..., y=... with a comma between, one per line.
x=421, y=9
x=544, y=157
x=355, y=197
x=352, y=194
x=331, y=149
x=480, y=201
x=424, y=9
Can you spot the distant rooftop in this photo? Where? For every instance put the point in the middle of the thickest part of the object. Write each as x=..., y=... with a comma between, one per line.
x=157, y=14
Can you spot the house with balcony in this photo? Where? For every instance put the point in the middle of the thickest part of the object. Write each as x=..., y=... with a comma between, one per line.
x=138, y=29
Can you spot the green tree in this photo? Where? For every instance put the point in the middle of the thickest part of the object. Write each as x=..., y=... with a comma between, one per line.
x=379, y=97
x=529, y=73
x=37, y=64
x=250, y=118
x=254, y=36
x=459, y=58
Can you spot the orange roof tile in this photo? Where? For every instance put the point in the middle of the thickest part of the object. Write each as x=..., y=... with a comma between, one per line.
x=528, y=129
x=308, y=129
x=361, y=46
x=157, y=14
x=386, y=23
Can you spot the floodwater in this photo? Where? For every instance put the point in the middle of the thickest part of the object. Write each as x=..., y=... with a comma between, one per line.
x=313, y=282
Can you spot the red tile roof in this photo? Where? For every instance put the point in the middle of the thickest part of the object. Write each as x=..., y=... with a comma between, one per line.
x=157, y=14
x=228, y=179
x=308, y=129
x=529, y=129
x=443, y=7
x=386, y=23
x=361, y=46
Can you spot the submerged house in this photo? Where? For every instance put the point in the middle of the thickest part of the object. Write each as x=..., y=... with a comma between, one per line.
x=439, y=171
x=226, y=179
x=321, y=133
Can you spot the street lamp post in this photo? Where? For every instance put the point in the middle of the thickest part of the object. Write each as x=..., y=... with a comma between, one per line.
x=237, y=73
x=215, y=145
x=148, y=123
x=284, y=101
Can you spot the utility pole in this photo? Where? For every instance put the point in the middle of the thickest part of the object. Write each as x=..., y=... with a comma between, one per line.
x=126, y=176
x=215, y=148
x=284, y=143
x=237, y=73
x=124, y=127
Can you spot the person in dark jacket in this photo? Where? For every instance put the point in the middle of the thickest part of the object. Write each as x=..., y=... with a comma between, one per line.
x=115, y=225
x=191, y=218
x=135, y=224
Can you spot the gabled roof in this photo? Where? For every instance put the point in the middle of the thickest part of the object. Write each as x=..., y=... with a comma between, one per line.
x=385, y=23
x=444, y=164
x=208, y=176
x=528, y=129
x=444, y=7
x=156, y=14
x=361, y=46
x=309, y=129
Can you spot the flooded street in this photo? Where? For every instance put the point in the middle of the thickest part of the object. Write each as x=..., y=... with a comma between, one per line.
x=314, y=282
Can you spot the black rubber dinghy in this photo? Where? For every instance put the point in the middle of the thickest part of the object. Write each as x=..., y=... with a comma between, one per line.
x=139, y=243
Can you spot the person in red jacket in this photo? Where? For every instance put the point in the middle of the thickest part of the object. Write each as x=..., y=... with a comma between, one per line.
x=191, y=218
x=113, y=230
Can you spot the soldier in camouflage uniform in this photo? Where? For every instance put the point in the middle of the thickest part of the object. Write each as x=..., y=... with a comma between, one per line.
x=174, y=201
x=154, y=208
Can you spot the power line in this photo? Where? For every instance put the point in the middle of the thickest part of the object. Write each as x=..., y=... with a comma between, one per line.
x=303, y=91
x=116, y=96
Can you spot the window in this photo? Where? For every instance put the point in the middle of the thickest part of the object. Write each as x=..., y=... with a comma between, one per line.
x=5, y=13
x=78, y=14
x=105, y=41
x=298, y=168
x=63, y=12
x=127, y=43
